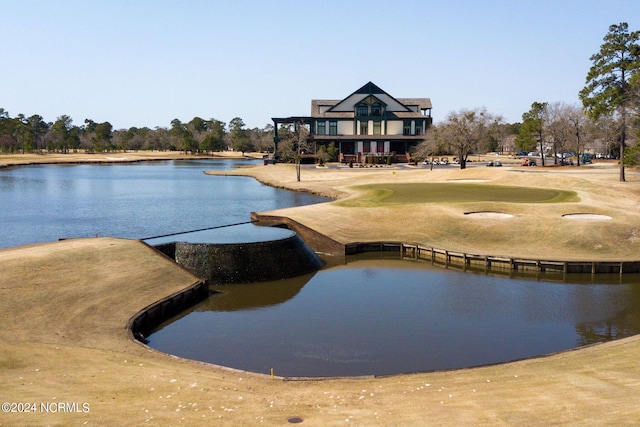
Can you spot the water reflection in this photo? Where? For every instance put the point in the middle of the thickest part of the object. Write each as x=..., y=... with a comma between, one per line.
x=254, y=295
x=384, y=316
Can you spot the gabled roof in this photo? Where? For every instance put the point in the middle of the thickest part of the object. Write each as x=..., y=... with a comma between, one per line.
x=344, y=108
x=349, y=102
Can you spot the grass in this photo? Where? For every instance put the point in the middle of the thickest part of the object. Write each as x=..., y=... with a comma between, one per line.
x=410, y=193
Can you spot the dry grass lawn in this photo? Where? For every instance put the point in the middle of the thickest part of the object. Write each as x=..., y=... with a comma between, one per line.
x=65, y=307
x=536, y=230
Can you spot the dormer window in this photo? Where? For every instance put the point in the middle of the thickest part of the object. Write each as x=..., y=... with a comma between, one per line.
x=376, y=110
x=363, y=110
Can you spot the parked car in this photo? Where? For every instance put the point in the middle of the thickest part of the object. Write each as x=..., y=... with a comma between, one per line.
x=528, y=162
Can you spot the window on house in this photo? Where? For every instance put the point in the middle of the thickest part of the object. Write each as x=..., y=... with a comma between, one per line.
x=366, y=146
x=418, y=130
x=333, y=127
x=364, y=128
x=406, y=130
x=363, y=110
x=376, y=110
x=377, y=128
x=322, y=128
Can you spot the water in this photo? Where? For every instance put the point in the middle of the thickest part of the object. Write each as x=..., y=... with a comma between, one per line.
x=378, y=317
x=139, y=200
x=240, y=233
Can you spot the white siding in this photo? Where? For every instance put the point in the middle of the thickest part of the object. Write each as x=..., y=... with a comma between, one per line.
x=345, y=128
x=394, y=127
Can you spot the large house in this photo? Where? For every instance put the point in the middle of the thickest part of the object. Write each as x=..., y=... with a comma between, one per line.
x=367, y=124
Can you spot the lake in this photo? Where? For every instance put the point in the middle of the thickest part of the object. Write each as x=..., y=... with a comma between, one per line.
x=135, y=200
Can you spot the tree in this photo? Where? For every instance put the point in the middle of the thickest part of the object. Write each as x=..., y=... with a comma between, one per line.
x=212, y=138
x=60, y=134
x=559, y=129
x=465, y=131
x=605, y=135
x=102, y=136
x=182, y=136
x=239, y=136
x=38, y=128
x=608, y=90
x=23, y=134
x=302, y=144
x=532, y=129
x=498, y=132
x=579, y=125
x=429, y=146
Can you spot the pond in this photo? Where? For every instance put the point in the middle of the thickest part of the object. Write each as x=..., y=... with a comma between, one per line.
x=385, y=316
x=138, y=200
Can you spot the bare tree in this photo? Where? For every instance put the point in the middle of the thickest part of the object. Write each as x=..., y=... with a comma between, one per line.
x=429, y=146
x=579, y=123
x=303, y=144
x=558, y=128
x=465, y=130
x=498, y=132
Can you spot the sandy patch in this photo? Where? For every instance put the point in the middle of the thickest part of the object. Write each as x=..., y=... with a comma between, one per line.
x=590, y=217
x=488, y=215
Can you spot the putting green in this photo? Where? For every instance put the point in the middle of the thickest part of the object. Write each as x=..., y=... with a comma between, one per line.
x=439, y=192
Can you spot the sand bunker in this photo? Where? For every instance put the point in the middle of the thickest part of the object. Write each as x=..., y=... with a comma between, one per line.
x=488, y=215
x=591, y=217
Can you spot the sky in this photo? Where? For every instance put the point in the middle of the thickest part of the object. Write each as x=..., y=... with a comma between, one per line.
x=144, y=63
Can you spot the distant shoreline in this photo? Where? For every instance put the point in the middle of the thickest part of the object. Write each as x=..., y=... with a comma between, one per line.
x=14, y=160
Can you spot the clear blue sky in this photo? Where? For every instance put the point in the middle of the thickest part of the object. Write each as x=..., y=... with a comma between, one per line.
x=144, y=63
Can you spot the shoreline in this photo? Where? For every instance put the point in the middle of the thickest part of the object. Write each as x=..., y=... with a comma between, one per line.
x=16, y=160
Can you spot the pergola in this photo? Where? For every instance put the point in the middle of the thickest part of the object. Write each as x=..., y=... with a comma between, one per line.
x=295, y=120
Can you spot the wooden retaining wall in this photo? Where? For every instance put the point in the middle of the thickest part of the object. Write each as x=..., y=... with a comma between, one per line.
x=325, y=244
x=490, y=262
x=150, y=317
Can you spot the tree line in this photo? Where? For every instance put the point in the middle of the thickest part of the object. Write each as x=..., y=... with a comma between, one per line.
x=33, y=134
x=607, y=122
